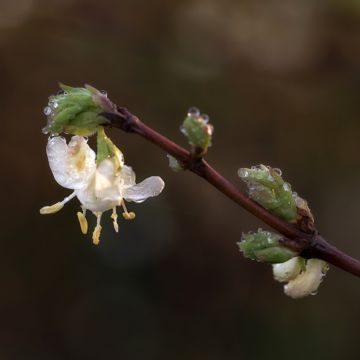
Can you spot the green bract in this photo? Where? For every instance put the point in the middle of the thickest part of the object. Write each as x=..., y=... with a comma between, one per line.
x=264, y=246
x=76, y=110
x=106, y=149
x=267, y=187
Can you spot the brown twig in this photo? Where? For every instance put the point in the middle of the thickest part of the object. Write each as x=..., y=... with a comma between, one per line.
x=308, y=244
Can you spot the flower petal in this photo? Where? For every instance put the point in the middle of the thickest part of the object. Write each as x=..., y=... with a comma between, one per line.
x=127, y=176
x=103, y=191
x=93, y=203
x=106, y=183
x=150, y=187
x=71, y=164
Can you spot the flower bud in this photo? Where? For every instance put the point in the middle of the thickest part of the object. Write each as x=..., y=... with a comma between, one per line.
x=264, y=246
x=174, y=164
x=307, y=282
x=76, y=110
x=288, y=270
x=198, y=132
x=267, y=187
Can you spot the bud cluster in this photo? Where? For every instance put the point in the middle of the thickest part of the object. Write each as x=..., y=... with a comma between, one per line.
x=76, y=111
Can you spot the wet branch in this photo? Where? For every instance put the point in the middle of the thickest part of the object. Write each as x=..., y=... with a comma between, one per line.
x=308, y=243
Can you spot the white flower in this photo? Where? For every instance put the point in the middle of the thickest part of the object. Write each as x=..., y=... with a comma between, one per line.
x=98, y=187
x=302, y=280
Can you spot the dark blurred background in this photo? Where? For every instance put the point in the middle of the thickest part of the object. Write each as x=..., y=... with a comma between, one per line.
x=280, y=80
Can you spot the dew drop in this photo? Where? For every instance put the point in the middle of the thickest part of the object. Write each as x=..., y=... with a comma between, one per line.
x=47, y=111
x=104, y=92
x=243, y=173
x=193, y=112
x=277, y=171
x=205, y=117
x=45, y=130
x=55, y=105
x=183, y=130
x=287, y=186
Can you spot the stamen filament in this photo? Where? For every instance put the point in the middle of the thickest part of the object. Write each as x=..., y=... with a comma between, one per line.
x=114, y=216
x=56, y=207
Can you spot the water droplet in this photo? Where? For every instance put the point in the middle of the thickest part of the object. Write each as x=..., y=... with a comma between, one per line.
x=55, y=105
x=104, y=92
x=277, y=171
x=193, y=112
x=183, y=130
x=45, y=130
x=287, y=187
x=47, y=111
x=313, y=293
x=205, y=117
x=243, y=173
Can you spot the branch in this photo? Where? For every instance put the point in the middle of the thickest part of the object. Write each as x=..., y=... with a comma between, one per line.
x=308, y=244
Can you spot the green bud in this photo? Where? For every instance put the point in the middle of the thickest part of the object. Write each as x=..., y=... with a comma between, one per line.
x=197, y=130
x=267, y=187
x=106, y=149
x=76, y=110
x=174, y=164
x=264, y=246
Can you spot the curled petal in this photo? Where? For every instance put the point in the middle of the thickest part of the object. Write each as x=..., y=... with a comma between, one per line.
x=150, y=187
x=71, y=164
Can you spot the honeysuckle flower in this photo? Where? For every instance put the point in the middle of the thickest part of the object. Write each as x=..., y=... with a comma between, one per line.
x=99, y=186
x=302, y=278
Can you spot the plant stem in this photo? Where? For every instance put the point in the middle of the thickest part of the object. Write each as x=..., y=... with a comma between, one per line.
x=307, y=244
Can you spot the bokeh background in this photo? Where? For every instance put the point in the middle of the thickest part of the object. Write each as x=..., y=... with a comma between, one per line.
x=280, y=80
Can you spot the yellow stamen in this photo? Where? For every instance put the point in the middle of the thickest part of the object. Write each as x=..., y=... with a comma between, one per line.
x=83, y=222
x=51, y=209
x=114, y=217
x=127, y=215
x=97, y=230
x=58, y=206
x=96, y=235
